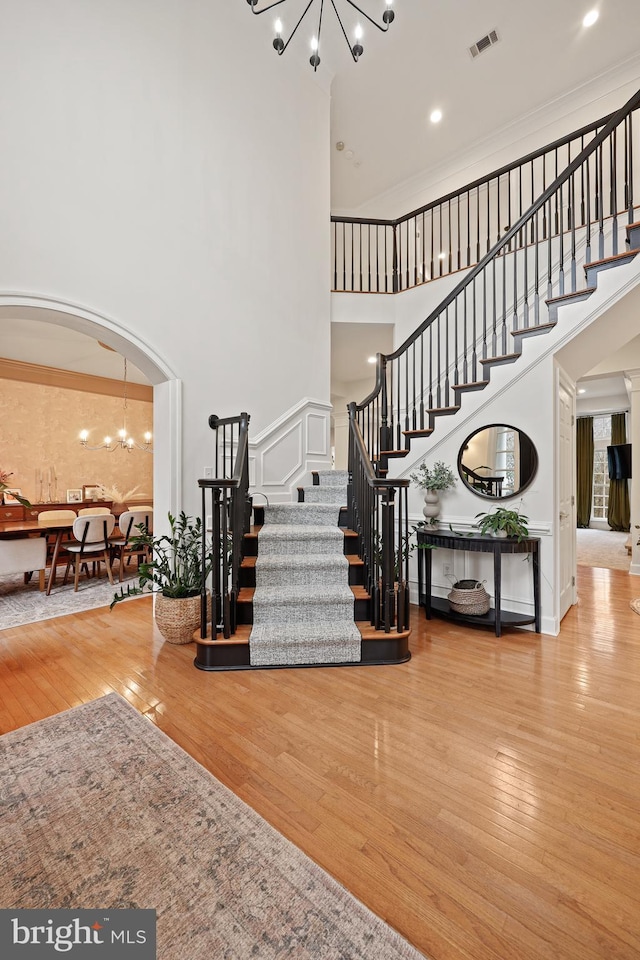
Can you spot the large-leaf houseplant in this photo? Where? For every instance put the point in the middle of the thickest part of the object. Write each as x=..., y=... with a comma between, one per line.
x=503, y=523
x=175, y=572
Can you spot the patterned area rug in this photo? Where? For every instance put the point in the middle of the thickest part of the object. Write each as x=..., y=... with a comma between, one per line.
x=25, y=604
x=98, y=808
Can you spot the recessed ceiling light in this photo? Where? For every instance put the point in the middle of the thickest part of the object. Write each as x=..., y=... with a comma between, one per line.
x=590, y=18
x=371, y=360
x=582, y=390
x=435, y=116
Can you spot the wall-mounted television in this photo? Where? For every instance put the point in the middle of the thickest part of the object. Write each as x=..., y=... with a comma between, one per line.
x=619, y=461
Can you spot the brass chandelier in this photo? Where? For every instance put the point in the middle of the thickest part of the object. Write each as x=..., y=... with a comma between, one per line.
x=356, y=48
x=123, y=440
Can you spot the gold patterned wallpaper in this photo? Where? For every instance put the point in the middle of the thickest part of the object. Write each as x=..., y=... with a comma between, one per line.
x=40, y=429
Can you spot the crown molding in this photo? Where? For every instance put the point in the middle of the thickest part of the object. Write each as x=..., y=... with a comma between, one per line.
x=68, y=380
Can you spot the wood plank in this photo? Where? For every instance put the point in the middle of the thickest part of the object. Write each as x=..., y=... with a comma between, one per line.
x=482, y=798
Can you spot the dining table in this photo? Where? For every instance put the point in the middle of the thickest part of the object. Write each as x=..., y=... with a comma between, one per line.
x=15, y=529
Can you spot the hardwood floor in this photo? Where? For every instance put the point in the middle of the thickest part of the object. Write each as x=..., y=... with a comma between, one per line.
x=483, y=798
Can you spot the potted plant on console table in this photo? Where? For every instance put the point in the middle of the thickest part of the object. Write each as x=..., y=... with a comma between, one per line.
x=433, y=481
x=503, y=523
x=175, y=574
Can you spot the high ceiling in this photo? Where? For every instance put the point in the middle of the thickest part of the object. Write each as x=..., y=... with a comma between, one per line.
x=380, y=110
x=381, y=105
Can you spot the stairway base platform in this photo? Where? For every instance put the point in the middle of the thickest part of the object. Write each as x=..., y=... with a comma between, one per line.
x=377, y=649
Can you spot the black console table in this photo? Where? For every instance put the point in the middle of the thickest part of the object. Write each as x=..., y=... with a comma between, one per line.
x=476, y=543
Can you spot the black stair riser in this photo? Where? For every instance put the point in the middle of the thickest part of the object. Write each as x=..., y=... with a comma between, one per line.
x=248, y=576
x=397, y=650
x=223, y=657
x=361, y=611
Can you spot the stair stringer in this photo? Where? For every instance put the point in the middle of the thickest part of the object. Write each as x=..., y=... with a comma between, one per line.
x=504, y=393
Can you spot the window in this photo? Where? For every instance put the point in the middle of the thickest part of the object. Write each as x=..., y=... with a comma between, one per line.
x=601, y=440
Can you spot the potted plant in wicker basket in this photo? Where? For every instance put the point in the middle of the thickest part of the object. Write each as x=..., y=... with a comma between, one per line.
x=175, y=574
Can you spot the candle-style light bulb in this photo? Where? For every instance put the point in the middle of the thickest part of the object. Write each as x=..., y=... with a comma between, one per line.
x=314, y=59
x=278, y=42
x=147, y=437
x=84, y=436
x=107, y=441
x=357, y=48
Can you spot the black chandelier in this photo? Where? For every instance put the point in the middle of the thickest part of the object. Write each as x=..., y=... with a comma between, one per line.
x=356, y=49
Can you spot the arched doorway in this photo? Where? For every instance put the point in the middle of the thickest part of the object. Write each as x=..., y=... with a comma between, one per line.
x=167, y=471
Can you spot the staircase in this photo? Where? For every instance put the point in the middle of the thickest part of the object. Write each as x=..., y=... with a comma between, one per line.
x=301, y=598
x=325, y=580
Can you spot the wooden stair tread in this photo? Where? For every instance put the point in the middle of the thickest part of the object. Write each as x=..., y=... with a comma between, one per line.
x=360, y=592
x=535, y=328
x=472, y=385
x=632, y=226
x=425, y=432
x=443, y=409
x=501, y=359
x=249, y=562
x=614, y=258
x=369, y=632
x=568, y=296
x=394, y=453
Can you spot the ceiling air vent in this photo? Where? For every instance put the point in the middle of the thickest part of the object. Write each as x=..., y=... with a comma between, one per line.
x=484, y=43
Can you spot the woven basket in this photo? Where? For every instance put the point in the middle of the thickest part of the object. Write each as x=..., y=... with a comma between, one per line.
x=178, y=619
x=469, y=597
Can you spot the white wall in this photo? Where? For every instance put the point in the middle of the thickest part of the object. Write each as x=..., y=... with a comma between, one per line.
x=162, y=167
x=584, y=105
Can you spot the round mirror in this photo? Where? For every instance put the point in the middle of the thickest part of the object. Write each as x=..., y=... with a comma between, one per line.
x=497, y=462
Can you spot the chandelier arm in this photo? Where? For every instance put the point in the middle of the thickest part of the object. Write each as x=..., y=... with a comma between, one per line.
x=270, y=7
x=315, y=59
x=366, y=15
x=344, y=32
x=280, y=52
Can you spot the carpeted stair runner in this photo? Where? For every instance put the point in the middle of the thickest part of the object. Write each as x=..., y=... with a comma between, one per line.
x=303, y=605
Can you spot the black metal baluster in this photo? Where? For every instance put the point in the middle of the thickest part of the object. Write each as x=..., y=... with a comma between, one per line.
x=459, y=257
x=465, y=338
x=614, y=190
x=587, y=170
x=630, y=172
x=422, y=381
x=484, y=314
x=456, y=368
x=600, y=204
x=474, y=355
x=572, y=228
x=447, y=402
x=414, y=409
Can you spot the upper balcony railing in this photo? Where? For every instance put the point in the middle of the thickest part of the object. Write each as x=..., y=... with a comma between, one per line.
x=456, y=231
x=581, y=217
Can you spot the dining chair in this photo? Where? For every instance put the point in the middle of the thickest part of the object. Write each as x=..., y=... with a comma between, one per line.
x=128, y=524
x=94, y=512
x=91, y=543
x=46, y=517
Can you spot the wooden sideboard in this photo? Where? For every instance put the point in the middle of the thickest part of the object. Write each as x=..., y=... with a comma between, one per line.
x=15, y=511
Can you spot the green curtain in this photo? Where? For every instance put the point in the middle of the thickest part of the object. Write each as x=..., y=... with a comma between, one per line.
x=584, y=469
x=619, y=513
